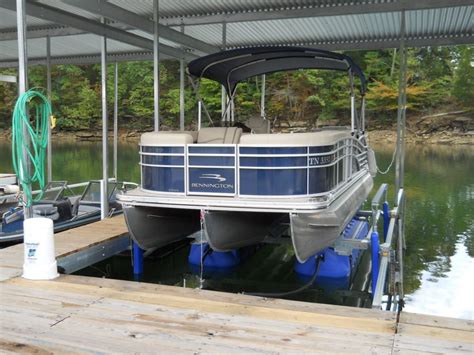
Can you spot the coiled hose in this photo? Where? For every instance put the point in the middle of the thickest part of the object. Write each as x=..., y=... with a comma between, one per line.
x=32, y=140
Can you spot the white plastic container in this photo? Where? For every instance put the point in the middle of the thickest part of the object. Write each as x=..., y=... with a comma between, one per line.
x=39, y=259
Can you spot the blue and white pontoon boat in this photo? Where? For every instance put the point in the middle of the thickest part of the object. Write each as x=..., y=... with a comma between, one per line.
x=240, y=184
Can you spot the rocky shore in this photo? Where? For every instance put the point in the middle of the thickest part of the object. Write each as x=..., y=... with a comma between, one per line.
x=451, y=128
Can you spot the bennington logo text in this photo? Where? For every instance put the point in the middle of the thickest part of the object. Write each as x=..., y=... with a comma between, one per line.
x=215, y=185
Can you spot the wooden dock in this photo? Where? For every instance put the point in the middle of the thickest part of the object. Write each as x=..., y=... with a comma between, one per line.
x=83, y=314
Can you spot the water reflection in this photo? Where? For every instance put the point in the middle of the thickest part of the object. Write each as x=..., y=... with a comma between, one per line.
x=447, y=293
x=439, y=227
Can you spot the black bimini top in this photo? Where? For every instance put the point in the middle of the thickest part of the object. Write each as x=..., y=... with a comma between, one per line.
x=231, y=67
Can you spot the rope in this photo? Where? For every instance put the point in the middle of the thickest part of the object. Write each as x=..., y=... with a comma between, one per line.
x=310, y=283
x=30, y=140
x=391, y=163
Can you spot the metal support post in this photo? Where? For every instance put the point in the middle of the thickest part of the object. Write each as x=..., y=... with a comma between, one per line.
x=351, y=79
x=137, y=260
x=48, y=89
x=224, y=100
x=232, y=110
x=23, y=82
x=115, y=119
x=262, y=97
x=402, y=84
x=362, y=114
x=199, y=114
x=386, y=219
x=375, y=250
x=181, y=90
x=156, y=66
x=104, y=201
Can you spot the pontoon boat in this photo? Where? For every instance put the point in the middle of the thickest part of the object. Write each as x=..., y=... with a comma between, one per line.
x=238, y=186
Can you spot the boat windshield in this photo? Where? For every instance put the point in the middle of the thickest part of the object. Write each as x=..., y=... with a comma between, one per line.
x=54, y=190
x=91, y=193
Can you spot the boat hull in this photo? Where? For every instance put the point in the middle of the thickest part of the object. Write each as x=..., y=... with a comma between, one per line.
x=154, y=227
x=312, y=232
x=232, y=230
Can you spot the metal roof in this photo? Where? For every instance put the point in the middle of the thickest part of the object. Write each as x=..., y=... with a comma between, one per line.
x=75, y=29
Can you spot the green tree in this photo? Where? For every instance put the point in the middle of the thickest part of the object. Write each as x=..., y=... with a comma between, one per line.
x=463, y=88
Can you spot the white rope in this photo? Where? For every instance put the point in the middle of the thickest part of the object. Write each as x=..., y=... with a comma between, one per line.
x=391, y=163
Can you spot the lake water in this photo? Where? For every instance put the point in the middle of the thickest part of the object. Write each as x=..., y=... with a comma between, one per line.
x=439, y=260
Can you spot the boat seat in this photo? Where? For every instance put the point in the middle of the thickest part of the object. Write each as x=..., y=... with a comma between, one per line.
x=193, y=134
x=326, y=137
x=48, y=211
x=163, y=138
x=258, y=124
x=219, y=135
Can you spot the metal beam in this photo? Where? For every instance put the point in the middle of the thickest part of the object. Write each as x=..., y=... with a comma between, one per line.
x=22, y=87
x=156, y=67
x=339, y=9
x=115, y=119
x=224, y=99
x=84, y=59
x=86, y=257
x=48, y=90
x=401, y=112
x=65, y=18
x=9, y=34
x=182, y=68
x=132, y=19
x=104, y=198
x=381, y=43
x=41, y=32
x=262, y=97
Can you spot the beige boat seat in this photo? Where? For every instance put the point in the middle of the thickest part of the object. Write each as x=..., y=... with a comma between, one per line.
x=161, y=138
x=219, y=135
x=258, y=124
x=326, y=137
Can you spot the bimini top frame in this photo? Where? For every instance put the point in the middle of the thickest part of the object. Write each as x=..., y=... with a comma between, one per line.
x=231, y=67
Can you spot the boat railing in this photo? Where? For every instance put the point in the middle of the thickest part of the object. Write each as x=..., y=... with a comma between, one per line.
x=264, y=171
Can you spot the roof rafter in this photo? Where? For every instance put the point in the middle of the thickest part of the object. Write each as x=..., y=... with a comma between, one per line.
x=348, y=8
x=84, y=59
x=134, y=20
x=41, y=32
x=62, y=17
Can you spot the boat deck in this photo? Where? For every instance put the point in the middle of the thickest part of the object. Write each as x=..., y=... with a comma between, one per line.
x=84, y=314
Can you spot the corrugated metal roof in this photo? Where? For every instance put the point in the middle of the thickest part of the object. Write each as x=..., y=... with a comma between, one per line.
x=335, y=29
x=329, y=24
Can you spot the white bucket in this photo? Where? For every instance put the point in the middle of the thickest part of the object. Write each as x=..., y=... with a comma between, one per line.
x=39, y=259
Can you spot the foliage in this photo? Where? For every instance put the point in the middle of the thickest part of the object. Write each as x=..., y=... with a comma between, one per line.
x=436, y=76
x=463, y=88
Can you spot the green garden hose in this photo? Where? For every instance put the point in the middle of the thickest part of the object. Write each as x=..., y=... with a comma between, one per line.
x=34, y=143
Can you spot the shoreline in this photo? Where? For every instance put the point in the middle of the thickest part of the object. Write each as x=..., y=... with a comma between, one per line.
x=376, y=136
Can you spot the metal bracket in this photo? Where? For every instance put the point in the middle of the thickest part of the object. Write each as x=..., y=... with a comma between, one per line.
x=88, y=256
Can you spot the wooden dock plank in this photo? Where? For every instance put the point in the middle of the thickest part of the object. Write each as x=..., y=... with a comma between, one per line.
x=241, y=304
x=67, y=242
x=418, y=333
x=112, y=322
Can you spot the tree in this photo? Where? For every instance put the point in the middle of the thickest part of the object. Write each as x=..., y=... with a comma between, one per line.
x=463, y=88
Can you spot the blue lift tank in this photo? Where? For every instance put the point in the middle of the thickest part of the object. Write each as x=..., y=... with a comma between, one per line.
x=335, y=270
